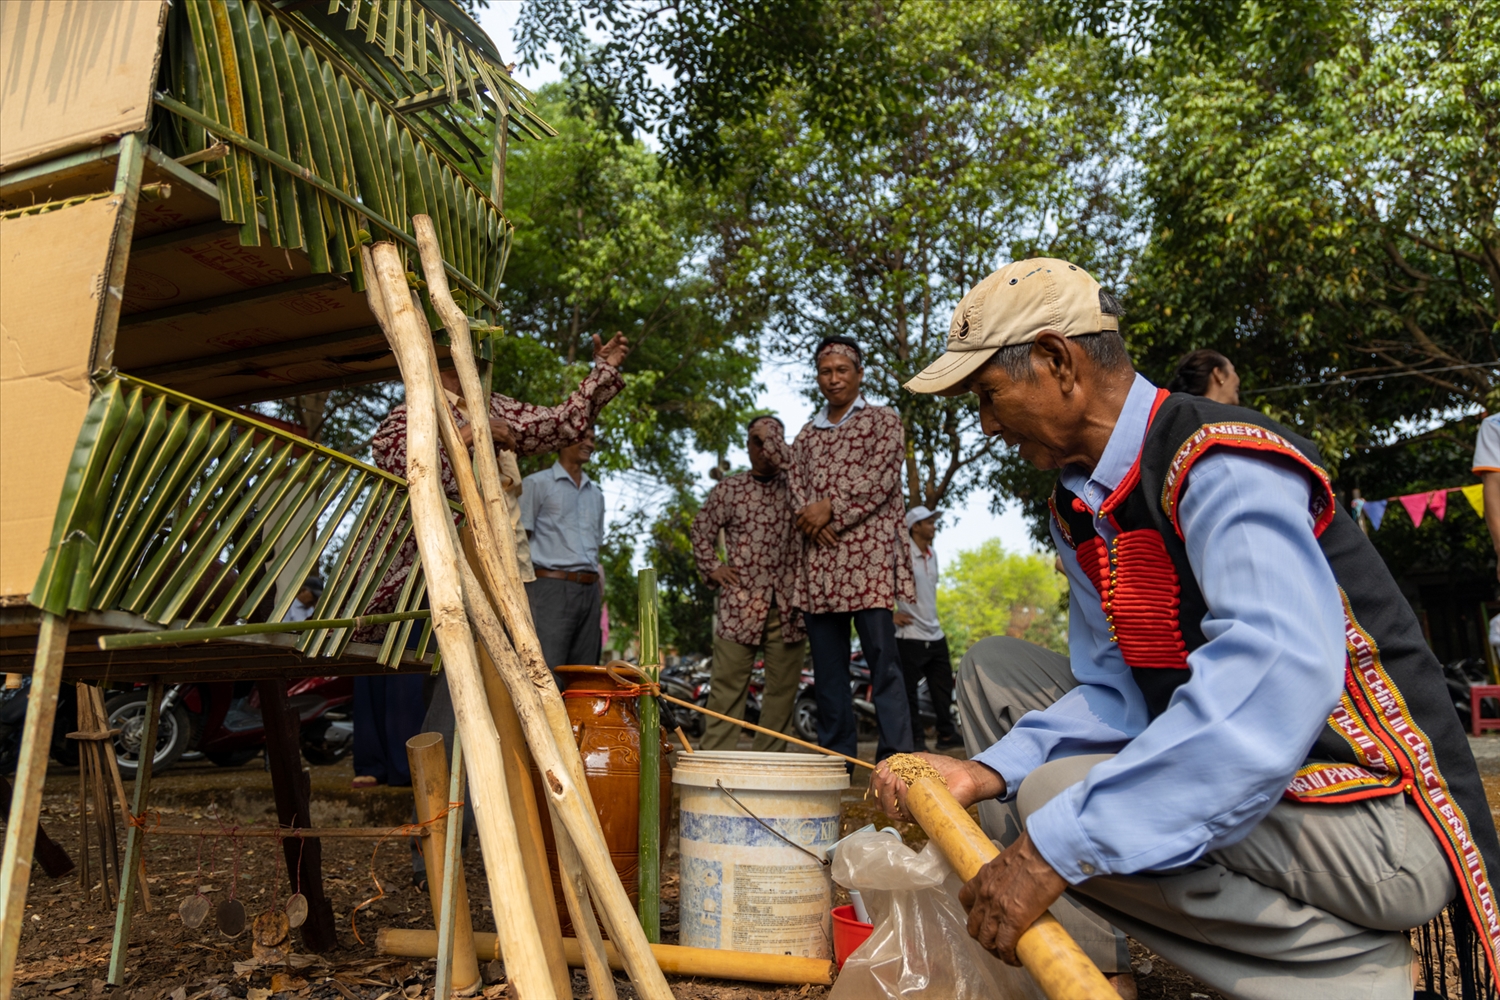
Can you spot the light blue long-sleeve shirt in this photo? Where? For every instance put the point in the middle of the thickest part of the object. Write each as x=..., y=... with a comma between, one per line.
x=1210, y=767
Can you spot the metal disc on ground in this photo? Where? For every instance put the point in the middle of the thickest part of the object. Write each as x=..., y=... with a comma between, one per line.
x=296, y=910
x=193, y=910
x=230, y=915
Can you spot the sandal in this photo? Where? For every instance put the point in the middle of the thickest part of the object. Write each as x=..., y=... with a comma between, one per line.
x=364, y=781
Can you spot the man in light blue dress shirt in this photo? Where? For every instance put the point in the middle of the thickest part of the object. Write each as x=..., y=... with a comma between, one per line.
x=1248, y=760
x=562, y=510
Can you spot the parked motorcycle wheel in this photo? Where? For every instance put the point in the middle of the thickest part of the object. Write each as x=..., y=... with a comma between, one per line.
x=320, y=748
x=805, y=718
x=127, y=713
x=233, y=758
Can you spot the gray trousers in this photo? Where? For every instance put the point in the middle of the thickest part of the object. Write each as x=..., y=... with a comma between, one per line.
x=1313, y=902
x=729, y=684
x=566, y=615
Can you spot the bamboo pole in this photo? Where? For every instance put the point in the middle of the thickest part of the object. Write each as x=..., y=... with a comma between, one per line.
x=135, y=844
x=26, y=803
x=107, y=749
x=528, y=819
x=525, y=961
x=429, y=785
x=184, y=636
x=579, y=834
x=452, y=876
x=649, y=829
x=712, y=963
x=1046, y=950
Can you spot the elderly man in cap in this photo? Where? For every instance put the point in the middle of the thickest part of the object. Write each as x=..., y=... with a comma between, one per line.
x=919, y=636
x=1248, y=761
x=754, y=613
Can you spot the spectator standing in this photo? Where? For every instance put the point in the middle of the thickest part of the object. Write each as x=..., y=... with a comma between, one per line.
x=305, y=602
x=919, y=637
x=846, y=484
x=1487, y=468
x=1209, y=374
x=562, y=511
x=382, y=726
x=755, y=582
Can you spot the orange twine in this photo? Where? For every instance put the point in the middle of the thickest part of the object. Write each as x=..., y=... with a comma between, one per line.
x=404, y=830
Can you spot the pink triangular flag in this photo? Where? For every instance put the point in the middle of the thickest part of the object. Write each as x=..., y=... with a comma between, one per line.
x=1416, y=506
x=1437, y=502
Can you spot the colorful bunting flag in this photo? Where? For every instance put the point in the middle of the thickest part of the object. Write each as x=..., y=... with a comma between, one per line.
x=1375, y=511
x=1437, y=502
x=1475, y=495
x=1416, y=506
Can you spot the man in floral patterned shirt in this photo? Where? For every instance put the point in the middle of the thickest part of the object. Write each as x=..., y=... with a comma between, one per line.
x=846, y=485
x=519, y=429
x=755, y=582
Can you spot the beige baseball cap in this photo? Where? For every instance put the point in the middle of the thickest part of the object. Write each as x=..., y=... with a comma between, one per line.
x=1012, y=306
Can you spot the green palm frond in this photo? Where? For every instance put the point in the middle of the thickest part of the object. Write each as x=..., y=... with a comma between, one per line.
x=320, y=147
x=186, y=514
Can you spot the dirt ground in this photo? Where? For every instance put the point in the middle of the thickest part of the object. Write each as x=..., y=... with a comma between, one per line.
x=66, y=940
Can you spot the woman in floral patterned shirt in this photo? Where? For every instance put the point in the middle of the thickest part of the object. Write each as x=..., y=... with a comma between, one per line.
x=846, y=485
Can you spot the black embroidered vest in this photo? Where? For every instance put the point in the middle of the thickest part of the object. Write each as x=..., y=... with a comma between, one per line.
x=1394, y=730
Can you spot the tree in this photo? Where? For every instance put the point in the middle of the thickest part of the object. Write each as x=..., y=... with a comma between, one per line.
x=604, y=243
x=989, y=591
x=995, y=144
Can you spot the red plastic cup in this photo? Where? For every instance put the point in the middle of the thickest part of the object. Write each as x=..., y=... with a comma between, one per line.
x=849, y=933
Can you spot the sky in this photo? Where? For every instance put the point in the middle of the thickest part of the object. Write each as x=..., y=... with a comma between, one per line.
x=782, y=384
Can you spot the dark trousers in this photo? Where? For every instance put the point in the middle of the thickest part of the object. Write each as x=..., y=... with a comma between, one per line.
x=566, y=615
x=828, y=638
x=388, y=711
x=929, y=658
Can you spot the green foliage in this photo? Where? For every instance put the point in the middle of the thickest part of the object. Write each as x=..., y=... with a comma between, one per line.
x=603, y=244
x=685, y=604
x=1324, y=185
x=989, y=591
x=995, y=143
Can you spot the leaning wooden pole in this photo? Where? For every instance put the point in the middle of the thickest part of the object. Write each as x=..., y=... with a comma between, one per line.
x=1046, y=950
x=429, y=782
x=526, y=964
x=579, y=834
x=26, y=803
x=649, y=830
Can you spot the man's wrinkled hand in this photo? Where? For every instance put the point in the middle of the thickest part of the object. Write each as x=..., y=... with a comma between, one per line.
x=1008, y=895
x=613, y=353
x=969, y=782
x=725, y=575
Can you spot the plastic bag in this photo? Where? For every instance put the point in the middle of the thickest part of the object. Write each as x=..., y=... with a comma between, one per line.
x=920, y=947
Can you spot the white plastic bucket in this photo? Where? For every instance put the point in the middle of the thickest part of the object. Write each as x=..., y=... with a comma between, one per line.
x=743, y=887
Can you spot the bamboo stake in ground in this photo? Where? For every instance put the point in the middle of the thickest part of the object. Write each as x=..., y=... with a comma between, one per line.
x=429, y=786
x=649, y=830
x=579, y=837
x=1046, y=950
x=525, y=961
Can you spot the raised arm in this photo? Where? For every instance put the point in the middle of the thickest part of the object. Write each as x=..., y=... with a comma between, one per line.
x=542, y=429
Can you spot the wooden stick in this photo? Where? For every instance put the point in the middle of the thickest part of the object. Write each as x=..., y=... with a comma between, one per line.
x=712, y=963
x=429, y=786
x=134, y=841
x=26, y=803
x=113, y=766
x=498, y=563
x=525, y=960
x=571, y=811
x=1047, y=951
x=290, y=833
x=528, y=819
x=688, y=747
x=453, y=880
x=752, y=726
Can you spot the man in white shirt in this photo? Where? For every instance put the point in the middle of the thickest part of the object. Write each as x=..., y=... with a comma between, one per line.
x=562, y=511
x=920, y=641
x=1487, y=468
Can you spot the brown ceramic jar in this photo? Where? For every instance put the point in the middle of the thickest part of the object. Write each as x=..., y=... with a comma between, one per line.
x=608, y=732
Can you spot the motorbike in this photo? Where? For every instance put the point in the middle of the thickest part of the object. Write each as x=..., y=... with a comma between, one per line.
x=805, y=711
x=13, y=722
x=688, y=680
x=221, y=722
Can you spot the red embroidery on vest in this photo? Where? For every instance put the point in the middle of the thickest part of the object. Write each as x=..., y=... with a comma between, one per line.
x=1139, y=592
x=1251, y=437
